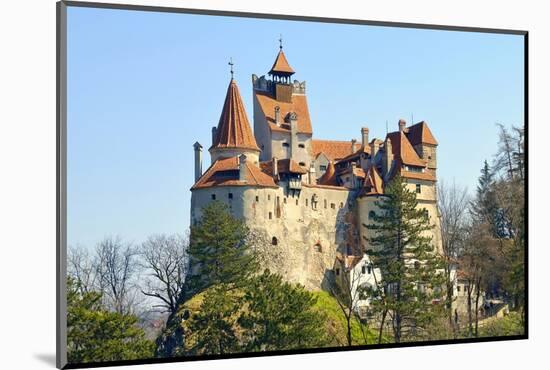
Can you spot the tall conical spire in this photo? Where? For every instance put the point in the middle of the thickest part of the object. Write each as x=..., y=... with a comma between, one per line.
x=233, y=129
x=280, y=66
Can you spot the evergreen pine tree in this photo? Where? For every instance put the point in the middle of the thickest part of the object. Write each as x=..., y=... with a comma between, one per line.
x=411, y=268
x=97, y=335
x=213, y=326
x=218, y=250
x=280, y=316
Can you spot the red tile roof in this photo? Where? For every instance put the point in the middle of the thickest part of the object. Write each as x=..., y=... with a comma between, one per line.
x=225, y=172
x=233, y=127
x=356, y=154
x=334, y=150
x=283, y=166
x=329, y=177
x=420, y=134
x=403, y=150
x=298, y=106
x=281, y=65
x=426, y=175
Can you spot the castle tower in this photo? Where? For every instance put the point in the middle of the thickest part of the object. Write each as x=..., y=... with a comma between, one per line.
x=233, y=136
x=282, y=125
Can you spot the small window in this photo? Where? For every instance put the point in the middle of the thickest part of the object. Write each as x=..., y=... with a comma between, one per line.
x=296, y=201
x=318, y=247
x=270, y=215
x=306, y=202
x=325, y=203
x=332, y=206
x=286, y=145
x=369, y=270
x=426, y=213
x=337, y=271
x=341, y=205
x=268, y=197
x=458, y=288
x=301, y=146
x=284, y=200
x=230, y=195
x=302, y=164
x=418, y=188
x=372, y=215
x=257, y=198
x=322, y=168
x=363, y=269
x=274, y=241
x=213, y=196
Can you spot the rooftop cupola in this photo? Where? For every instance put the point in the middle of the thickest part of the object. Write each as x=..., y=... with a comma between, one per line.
x=233, y=136
x=281, y=70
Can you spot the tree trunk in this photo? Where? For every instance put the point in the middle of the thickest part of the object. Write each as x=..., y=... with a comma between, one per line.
x=382, y=325
x=470, y=329
x=478, y=292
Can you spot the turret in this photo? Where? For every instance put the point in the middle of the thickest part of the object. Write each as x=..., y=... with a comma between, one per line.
x=233, y=136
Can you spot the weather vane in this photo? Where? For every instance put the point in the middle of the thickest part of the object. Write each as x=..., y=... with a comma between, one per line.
x=281, y=41
x=231, y=66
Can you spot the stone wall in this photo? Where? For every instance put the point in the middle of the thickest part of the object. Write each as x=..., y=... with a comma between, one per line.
x=296, y=236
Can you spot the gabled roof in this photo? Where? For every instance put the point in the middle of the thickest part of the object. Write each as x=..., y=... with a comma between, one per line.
x=233, y=127
x=373, y=182
x=225, y=172
x=403, y=150
x=283, y=166
x=281, y=65
x=329, y=177
x=334, y=150
x=420, y=134
x=298, y=105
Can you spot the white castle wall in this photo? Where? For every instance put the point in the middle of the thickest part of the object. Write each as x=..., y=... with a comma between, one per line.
x=307, y=236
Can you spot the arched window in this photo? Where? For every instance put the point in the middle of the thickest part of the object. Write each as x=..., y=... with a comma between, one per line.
x=274, y=241
x=318, y=247
x=372, y=215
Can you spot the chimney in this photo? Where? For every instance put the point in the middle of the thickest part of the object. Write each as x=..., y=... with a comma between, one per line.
x=374, y=148
x=388, y=157
x=402, y=124
x=198, y=160
x=365, y=136
x=274, y=165
x=293, y=117
x=312, y=179
x=353, y=142
x=242, y=167
x=278, y=116
x=214, y=131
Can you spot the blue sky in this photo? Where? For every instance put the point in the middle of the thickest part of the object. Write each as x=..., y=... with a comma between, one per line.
x=144, y=86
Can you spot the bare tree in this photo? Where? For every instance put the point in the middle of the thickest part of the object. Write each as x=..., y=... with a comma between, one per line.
x=116, y=266
x=453, y=206
x=349, y=290
x=81, y=268
x=165, y=259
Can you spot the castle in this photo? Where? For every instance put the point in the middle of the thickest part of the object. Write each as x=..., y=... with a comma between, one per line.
x=308, y=200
